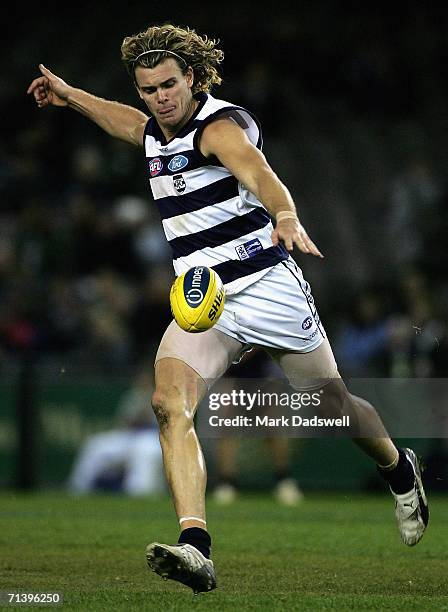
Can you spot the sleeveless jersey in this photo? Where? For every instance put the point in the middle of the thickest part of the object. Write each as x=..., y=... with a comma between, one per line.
x=208, y=217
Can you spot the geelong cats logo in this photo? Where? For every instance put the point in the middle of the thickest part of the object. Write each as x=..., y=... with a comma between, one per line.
x=179, y=183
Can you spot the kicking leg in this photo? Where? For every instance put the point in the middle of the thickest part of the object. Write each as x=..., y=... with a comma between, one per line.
x=399, y=467
x=318, y=368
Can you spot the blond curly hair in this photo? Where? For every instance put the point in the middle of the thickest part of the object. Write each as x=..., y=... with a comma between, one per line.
x=199, y=52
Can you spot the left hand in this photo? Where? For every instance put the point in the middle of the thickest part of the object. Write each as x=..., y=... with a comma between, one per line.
x=291, y=232
x=49, y=89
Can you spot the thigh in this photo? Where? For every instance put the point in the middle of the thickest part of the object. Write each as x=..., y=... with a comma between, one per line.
x=209, y=353
x=308, y=370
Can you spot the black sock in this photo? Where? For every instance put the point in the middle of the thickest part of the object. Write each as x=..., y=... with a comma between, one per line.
x=197, y=537
x=401, y=478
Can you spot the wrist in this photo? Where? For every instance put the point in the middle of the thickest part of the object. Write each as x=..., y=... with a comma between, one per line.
x=286, y=214
x=73, y=95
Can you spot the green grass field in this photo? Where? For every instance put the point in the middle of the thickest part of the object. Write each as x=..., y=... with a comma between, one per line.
x=334, y=552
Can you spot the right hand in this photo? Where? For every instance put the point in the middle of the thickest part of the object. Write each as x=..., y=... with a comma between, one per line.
x=291, y=232
x=49, y=89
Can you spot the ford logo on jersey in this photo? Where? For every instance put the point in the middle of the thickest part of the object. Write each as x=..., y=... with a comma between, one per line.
x=177, y=163
x=307, y=323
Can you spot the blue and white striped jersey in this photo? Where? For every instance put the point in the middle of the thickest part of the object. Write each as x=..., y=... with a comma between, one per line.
x=209, y=218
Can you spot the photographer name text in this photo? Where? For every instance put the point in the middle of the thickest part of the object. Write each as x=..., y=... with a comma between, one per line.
x=283, y=421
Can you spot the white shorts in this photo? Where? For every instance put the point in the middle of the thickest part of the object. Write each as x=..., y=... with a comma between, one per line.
x=277, y=312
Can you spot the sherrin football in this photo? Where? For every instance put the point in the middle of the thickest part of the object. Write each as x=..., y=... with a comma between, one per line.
x=197, y=299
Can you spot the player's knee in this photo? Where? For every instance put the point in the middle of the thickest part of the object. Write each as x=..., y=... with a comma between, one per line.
x=337, y=403
x=333, y=399
x=363, y=408
x=160, y=410
x=172, y=410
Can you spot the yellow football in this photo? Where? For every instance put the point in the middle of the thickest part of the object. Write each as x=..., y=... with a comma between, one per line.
x=197, y=299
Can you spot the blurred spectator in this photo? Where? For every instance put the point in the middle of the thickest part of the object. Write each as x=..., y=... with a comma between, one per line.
x=126, y=459
x=361, y=344
x=150, y=243
x=418, y=335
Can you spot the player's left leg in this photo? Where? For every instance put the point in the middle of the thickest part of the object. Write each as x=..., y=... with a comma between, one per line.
x=185, y=365
x=399, y=467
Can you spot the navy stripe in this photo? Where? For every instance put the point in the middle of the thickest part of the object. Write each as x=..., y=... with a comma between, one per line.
x=234, y=269
x=219, y=234
x=216, y=192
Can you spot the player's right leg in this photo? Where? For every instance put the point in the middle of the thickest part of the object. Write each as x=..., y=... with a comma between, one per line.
x=185, y=364
x=399, y=467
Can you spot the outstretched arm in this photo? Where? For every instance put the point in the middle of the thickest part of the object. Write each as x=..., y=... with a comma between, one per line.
x=118, y=120
x=232, y=147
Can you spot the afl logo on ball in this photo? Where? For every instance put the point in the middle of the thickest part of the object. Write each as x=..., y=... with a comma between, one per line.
x=307, y=323
x=179, y=183
x=155, y=166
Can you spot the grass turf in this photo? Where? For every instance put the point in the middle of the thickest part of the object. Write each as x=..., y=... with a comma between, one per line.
x=334, y=552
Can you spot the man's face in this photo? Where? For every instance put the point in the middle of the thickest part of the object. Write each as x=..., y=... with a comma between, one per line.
x=166, y=92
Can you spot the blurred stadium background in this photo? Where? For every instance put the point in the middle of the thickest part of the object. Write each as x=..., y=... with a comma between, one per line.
x=353, y=105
